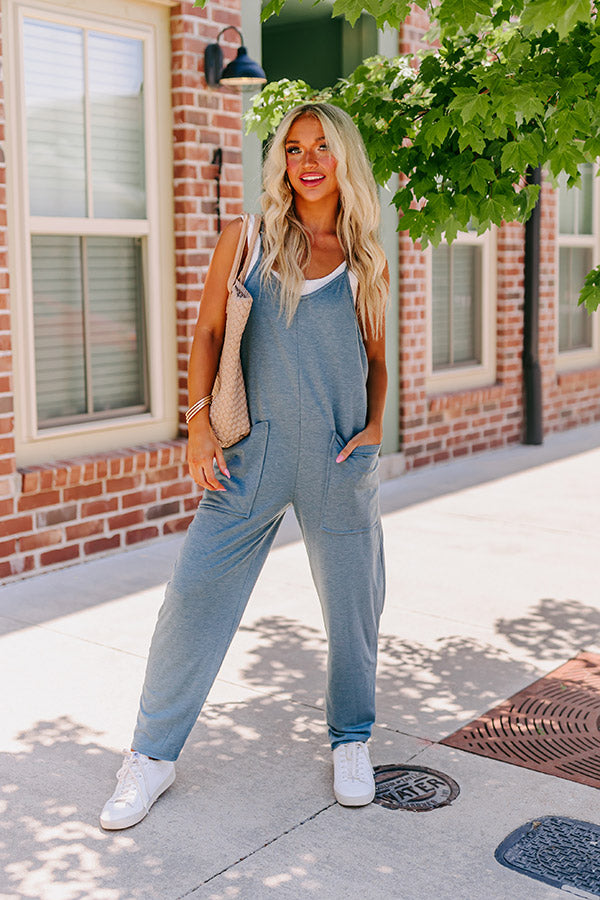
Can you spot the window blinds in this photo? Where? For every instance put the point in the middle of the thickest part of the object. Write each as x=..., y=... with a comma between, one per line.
x=86, y=159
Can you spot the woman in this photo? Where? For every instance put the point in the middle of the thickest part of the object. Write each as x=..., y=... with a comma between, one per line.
x=314, y=366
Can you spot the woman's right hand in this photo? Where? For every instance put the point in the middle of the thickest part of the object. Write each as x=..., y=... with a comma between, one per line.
x=202, y=448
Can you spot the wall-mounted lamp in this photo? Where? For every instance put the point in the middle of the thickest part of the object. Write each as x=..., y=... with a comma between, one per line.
x=242, y=70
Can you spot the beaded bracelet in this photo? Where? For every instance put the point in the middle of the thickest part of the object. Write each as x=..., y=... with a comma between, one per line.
x=200, y=404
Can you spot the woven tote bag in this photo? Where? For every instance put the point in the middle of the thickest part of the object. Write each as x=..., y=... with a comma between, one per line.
x=229, y=409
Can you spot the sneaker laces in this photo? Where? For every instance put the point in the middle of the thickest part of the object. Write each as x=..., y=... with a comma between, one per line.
x=355, y=757
x=130, y=780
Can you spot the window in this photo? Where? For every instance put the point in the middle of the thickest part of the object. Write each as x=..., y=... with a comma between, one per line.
x=456, y=306
x=93, y=176
x=577, y=241
x=461, y=320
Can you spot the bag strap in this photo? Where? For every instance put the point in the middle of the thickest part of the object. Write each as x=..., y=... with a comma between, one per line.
x=238, y=253
x=251, y=244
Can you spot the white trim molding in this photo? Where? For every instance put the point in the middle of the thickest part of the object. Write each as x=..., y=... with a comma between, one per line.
x=149, y=23
x=483, y=373
x=580, y=357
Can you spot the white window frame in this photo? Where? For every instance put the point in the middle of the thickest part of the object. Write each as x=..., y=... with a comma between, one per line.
x=483, y=374
x=581, y=357
x=148, y=22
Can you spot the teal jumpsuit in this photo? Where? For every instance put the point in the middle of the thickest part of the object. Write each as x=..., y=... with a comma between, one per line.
x=306, y=387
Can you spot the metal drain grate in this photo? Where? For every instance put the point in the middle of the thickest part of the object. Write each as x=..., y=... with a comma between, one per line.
x=413, y=787
x=552, y=726
x=562, y=852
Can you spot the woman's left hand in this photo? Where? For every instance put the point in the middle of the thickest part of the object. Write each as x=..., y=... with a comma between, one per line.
x=372, y=434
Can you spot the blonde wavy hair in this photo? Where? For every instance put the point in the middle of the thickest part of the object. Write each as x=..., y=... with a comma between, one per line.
x=286, y=242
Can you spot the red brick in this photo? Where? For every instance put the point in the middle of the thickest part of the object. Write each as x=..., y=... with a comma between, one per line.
x=75, y=475
x=133, y=517
x=61, y=477
x=102, y=545
x=35, y=501
x=98, y=507
x=7, y=445
x=7, y=548
x=40, y=539
x=118, y=485
x=84, y=529
x=63, y=554
x=47, y=479
x=101, y=468
x=83, y=491
x=162, y=509
x=128, y=465
x=138, y=498
x=176, y=490
x=30, y=483
x=175, y=525
x=16, y=566
x=158, y=476
x=56, y=516
x=20, y=525
x=142, y=534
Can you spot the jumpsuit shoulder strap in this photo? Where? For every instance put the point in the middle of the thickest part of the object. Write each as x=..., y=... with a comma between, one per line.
x=238, y=252
x=254, y=231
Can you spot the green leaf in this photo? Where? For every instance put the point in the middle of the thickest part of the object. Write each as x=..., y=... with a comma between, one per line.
x=434, y=128
x=481, y=173
x=493, y=210
x=517, y=155
x=590, y=293
x=462, y=13
x=469, y=104
x=385, y=12
x=272, y=8
x=560, y=14
x=471, y=136
x=270, y=106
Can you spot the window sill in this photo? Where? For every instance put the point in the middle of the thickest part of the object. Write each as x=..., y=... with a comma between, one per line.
x=576, y=378
x=93, y=438
x=577, y=360
x=90, y=468
x=467, y=397
x=454, y=380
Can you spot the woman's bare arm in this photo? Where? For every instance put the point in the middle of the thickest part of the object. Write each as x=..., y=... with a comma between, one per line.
x=203, y=445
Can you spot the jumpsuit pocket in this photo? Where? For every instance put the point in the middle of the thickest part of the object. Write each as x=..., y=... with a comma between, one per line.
x=351, y=498
x=245, y=461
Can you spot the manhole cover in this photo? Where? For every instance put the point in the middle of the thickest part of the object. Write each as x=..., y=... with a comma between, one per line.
x=413, y=787
x=562, y=852
x=552, y=726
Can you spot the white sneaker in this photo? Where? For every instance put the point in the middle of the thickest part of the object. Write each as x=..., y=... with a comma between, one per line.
x=353, y=781
x=140, y=781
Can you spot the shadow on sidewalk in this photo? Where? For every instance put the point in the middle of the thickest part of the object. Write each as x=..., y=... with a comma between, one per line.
x=251, y=770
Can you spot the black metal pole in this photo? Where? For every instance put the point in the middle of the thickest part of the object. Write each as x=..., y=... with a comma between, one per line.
x=217, y=160
x=533, y=432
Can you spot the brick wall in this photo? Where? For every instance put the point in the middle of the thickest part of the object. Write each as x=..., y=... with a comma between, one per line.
x=65, y=512
x=570, y=398
x=439, y=427
x=7, y=444
x=56, y=514
x=205, y=118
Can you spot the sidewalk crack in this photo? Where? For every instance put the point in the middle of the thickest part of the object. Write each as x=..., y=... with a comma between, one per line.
x=256, y=850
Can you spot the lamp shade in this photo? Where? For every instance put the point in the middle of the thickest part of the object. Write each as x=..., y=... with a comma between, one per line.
x=243, y=70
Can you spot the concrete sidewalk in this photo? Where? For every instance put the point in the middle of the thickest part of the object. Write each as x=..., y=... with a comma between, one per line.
x=492, y=581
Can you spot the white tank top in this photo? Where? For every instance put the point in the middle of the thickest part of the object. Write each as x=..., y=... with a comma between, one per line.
x=310, y=284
